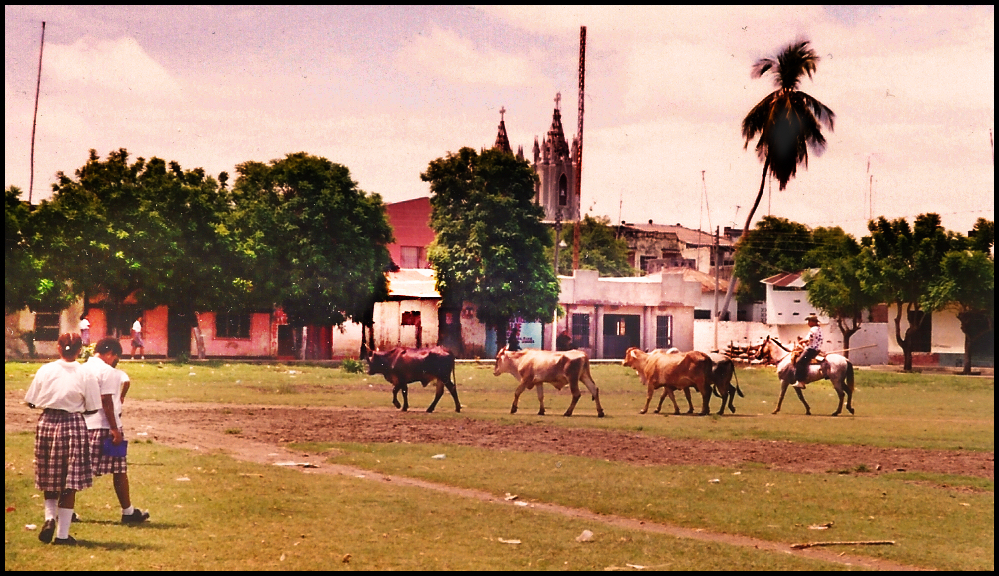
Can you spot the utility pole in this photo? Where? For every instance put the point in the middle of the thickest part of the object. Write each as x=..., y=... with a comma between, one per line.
x=579, y=153
x=558, y=241
x=717, y=274
x=34, y=122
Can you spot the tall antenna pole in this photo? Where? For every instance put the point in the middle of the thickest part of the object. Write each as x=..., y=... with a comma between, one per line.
x=579, y=153
x=34, y=122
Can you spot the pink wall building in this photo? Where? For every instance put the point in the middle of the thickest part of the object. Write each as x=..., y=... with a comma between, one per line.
x=410, y=221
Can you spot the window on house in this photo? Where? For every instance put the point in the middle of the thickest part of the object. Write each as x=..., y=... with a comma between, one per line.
x=410, y=318
x=410, y=256
x=581, y=330
x=664, y=331
x=47, y=326
x=230, y=325
x=120, y=323
x=645, y=262
x=700, y=314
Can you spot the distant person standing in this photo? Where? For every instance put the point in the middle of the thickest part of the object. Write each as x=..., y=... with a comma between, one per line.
x=65, y=392
x=85, y=330
x=137, y=343
x=811, y=351
x=513, y=343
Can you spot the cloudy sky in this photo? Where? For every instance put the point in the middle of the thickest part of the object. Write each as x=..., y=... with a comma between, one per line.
x=386, y=90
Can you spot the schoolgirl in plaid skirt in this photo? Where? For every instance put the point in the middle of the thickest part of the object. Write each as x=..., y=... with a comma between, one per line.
x=64, y=392
x=62, y=452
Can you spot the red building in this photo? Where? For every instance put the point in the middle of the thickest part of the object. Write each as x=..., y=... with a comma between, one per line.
x=410, y=221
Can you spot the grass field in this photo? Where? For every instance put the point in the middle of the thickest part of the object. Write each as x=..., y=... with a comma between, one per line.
x=233, y=515
x=230, y=515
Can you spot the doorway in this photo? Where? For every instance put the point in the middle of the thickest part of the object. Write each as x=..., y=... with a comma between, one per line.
x=621, y=331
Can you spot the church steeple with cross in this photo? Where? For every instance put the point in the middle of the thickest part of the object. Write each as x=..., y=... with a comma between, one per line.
x=502, y=140
x=555, y=164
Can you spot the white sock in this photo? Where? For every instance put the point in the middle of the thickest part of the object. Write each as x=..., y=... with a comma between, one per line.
x=127, y=511
x=62, y=527
x=50, y=509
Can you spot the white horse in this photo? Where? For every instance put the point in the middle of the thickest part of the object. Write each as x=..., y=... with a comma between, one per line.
x=834, y=367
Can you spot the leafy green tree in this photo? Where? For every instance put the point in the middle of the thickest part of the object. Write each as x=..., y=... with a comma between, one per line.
x=788, y=121
x=491, y=245
x=201, y=270
x=837, y=289
x=599, y=249
x=314, y=242
x=21, y=271
x=143, y=229
x=900, y=265
x=967, y=286
x=983, y=236
x=775, y=245
x=100, y=231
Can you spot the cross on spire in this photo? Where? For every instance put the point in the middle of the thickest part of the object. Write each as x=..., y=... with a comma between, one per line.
x=558, y=99
x=502, y=112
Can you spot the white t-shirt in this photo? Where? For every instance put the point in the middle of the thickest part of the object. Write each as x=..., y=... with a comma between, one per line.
x=64, y=385
x=122, y=379
x=108, y=382
x=137, y=327
x=84, y=324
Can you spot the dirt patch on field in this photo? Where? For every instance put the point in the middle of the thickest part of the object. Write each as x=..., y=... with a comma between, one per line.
x=214, y=426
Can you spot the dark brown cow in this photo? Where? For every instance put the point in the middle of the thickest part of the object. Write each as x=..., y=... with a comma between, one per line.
x=722, y=372
x=400, y=366
x=532, y=368
x=677, y=371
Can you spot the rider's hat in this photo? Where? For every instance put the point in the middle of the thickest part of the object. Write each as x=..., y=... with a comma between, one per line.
x=811, y=317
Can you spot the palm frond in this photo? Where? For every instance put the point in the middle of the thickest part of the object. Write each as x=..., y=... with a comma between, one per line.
x=822, y=113
x=761, y=67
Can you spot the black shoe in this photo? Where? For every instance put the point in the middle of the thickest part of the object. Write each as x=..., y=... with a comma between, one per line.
x=76, y=518
x=67, y=541
x=48, y=530
x=136, y=517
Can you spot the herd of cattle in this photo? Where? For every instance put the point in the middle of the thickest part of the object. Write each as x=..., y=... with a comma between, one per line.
x=670, y=370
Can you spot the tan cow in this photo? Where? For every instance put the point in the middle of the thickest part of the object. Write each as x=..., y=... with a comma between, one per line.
x=672, y=371
x=534, y=367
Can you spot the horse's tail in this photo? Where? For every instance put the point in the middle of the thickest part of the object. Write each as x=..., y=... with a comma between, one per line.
x=849, y=375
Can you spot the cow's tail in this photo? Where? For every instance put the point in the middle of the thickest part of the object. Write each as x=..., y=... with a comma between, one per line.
x=737, y=389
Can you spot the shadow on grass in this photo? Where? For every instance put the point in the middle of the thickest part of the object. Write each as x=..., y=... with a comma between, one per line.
x=149, y=525
x=111, y=546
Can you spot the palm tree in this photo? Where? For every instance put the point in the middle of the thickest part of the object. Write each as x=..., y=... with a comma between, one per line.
x=788, y=121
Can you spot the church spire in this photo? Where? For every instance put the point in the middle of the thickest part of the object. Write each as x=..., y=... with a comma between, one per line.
x=556, y=136
x=502, y=140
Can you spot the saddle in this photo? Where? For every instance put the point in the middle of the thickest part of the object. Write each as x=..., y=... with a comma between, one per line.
x=799, y=349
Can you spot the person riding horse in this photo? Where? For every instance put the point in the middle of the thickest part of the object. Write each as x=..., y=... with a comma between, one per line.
x=811, y=351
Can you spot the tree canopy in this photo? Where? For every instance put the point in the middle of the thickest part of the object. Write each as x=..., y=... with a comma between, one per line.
x=837, y=289
x=775, y=245
x=599, y=249
x=967, y=285
x=29, y=280
x=314, y=243
x=901, y=263
x=491, y=245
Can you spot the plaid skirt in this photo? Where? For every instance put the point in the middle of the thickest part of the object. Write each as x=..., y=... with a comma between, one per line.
x=102, y=463
x=62, y=452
